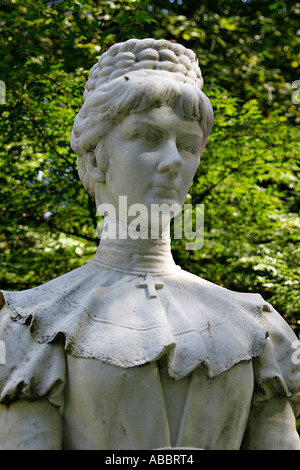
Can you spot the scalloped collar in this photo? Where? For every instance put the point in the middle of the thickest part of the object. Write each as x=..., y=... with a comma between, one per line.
x=109, y=315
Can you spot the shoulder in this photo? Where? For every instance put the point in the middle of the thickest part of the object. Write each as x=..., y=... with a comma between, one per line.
x=24, y=305
x=271, y=337
x=32, y=365
x=252, y=302
x=28, y=369
x=277, y=369
x=30, y=333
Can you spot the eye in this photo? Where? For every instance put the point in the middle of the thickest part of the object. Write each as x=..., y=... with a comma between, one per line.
x=186, y=147
x=149, y=138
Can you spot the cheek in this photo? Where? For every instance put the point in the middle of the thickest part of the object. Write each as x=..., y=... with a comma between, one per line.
x=141, y=167
x=189, y=169
x=148, y=159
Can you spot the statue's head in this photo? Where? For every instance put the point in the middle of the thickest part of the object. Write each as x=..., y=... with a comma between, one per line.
x=143, y=124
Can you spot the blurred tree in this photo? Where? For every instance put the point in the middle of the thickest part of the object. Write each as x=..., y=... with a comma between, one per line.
x=249, y=175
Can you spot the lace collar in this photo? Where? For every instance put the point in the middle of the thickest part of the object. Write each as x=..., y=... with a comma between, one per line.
x=127, y=320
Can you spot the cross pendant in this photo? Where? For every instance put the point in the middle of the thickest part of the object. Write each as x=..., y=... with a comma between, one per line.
x=151, y=285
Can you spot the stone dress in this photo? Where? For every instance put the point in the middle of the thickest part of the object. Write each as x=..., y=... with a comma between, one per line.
x=131, y=352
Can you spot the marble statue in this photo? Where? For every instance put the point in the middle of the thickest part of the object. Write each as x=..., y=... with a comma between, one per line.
x=129, y=351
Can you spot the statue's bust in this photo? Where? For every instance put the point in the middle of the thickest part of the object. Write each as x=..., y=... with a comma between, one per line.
x=130, y=351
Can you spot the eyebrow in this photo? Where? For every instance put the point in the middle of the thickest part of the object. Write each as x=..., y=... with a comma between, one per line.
x=153, y=124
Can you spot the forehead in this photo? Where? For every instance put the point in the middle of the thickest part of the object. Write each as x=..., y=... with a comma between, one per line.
x=165, y=118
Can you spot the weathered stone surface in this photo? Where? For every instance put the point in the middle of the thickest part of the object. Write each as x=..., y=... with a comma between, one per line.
x=130, y=351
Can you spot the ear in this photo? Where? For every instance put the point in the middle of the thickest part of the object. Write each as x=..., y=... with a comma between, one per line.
x=92, y=168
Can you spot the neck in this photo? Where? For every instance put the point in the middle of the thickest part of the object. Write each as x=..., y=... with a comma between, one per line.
x=121, y=249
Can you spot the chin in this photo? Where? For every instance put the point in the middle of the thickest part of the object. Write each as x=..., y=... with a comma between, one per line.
x=170, y=202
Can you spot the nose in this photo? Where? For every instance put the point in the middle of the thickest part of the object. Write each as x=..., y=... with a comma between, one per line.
x=170, y=160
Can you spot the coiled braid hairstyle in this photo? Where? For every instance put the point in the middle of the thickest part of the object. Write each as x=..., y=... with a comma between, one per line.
x=136, y=76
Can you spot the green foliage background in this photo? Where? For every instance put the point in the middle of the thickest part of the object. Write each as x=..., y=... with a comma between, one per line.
x=249, y=175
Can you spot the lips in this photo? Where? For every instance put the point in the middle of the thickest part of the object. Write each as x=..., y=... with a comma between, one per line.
x=166, y=185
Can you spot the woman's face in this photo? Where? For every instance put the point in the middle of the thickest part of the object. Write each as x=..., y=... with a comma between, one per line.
x=153, y=157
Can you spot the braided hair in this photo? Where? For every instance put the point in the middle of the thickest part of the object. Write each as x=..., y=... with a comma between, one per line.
x=133, y=77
